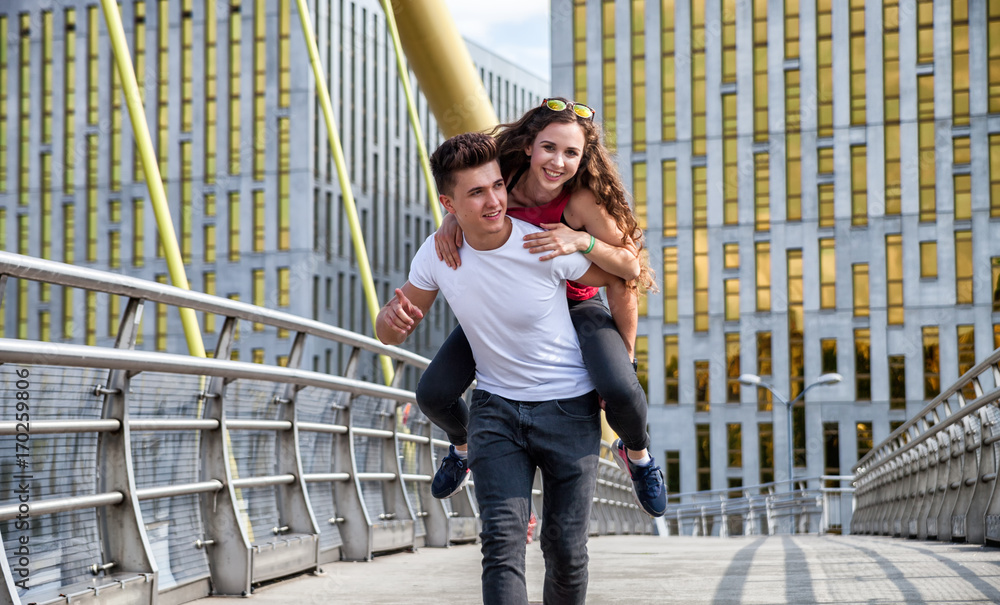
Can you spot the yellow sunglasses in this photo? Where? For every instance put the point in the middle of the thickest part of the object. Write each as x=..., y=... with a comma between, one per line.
x=584, y=111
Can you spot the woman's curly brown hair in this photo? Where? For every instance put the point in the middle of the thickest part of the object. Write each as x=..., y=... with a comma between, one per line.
x=597, y=172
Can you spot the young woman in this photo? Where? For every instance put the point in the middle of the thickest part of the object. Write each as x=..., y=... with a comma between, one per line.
x=560, y=177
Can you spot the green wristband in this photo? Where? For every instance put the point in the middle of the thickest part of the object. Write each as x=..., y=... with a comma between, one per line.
x=590, y=247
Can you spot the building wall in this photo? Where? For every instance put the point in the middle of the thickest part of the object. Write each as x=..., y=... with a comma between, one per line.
x=774, y=101
x=267, y=184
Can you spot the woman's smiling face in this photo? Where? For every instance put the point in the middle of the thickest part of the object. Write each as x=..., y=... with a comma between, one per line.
x=556, y=154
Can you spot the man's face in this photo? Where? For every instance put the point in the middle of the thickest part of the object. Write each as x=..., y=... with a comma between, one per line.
x=479, y=200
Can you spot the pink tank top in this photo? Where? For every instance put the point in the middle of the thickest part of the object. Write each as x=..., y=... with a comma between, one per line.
x=552, y=213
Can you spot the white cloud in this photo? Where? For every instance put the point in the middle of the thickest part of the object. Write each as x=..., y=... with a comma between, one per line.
x=517, y=30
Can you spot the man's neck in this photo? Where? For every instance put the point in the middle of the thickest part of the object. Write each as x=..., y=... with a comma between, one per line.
x=490, y=241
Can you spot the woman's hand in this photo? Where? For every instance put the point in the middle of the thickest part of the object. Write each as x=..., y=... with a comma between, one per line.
x=448, y=240
x=556, y=240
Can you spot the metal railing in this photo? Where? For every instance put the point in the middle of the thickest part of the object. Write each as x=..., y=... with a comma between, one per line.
x=812, y=505
x=166, y=478
x=935, y=476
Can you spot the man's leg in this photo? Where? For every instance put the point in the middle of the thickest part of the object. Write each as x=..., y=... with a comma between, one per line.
x=566, y=442
x=504, y=472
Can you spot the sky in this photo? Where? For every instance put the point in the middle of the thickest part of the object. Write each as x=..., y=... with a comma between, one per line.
x=517, y=30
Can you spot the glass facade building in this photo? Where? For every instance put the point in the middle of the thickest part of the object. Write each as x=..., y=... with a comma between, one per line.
x=819, y=184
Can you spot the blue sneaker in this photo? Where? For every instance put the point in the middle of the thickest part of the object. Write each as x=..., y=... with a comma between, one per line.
x=647, y=482
x=451, y=476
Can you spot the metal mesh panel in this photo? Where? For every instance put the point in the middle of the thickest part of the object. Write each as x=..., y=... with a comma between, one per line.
x=172, y=535
x=371, y=491
x=316, y=405
x=260, y=504
x=154, y=395
x=410, y=460
x=58, y=392
x=253, y=399
x=62, y=545
x=321, y=498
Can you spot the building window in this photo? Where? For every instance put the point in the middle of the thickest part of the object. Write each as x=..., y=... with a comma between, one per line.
x=701, y=279
x=765, y=442
x=672, y=471
x=234, y=226
x=730, y=164
x=890, y=71
x=828, y=348
x=858, y=87
x=703, y=445
x=791, y=29
x=734, y=439
x=187, y=198
x=209, y=243
x=699, y=115
x=579, y=51
x=284, y=53
x=799, y=434
x=831, y=449
x=642, y=361
x=859, y=185
x=46, y=77
x=763, y=257
x=257, y=355
x=161, y=319
x=732, y=367
x=93, y=65
x=826, y=205
x=235, y=54
x=827, y=274
x=671, y=358
x=993, y=58
x=211, y=91
x=796, y=353
x=967, y=356
x=862, y=365
x=963, y=268
x=925, y=142
x=4, y=92
x=701, y=386
x=24, y=113
x=865, y=438
x=139, y=60
x=731, y=256
x=208, y=320
x=638, y=75
x=670, y=196
x=762, y=191
x=932, y=368
x=284, y=287
x=894, y=278
x=897, y=382
x=995, y=265
x=763, y=370
x=928, y=260
x=92, y=197
x=824, y=67
x=608, y=71
x=860, y=275
x=732, y=299
x=793, y=143
x=760, y=124
x=668, y=73
x=639, y=196
x=995, y=140
x=259, y=294
x=670, y=285
x=260, y=88
x=163, y=86
x=284, y=185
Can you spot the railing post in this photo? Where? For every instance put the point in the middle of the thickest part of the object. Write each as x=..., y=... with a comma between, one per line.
x=294, y=509
x=400, y=525
x=970, y=479
x=229, y=555
x=436, y=519
x=941, y=484
x=356, y=531
x=955, y=478
x=121, y=529
x=975, y=516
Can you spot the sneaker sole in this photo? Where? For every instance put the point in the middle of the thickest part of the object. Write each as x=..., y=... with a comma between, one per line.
x=457, y=489
x=621, y=465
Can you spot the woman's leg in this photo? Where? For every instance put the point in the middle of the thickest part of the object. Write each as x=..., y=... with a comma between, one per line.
x=610, y=368
x=439, y=393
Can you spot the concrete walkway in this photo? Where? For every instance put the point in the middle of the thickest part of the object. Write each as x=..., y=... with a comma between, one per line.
x=777, y=569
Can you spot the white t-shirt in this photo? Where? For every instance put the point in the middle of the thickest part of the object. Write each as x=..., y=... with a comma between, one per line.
x=513, y=309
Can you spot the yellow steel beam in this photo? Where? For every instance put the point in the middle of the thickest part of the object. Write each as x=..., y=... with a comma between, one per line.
x=157, y=196
x=404, y=77
x=364, y=267
x=442, y=64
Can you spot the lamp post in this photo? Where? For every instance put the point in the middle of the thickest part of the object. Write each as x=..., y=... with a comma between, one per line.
x=756, y=381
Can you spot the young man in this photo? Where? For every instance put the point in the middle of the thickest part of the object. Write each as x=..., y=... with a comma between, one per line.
x=535, y=405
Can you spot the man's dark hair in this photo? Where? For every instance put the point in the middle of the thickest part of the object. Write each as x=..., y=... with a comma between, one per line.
x=462, y=151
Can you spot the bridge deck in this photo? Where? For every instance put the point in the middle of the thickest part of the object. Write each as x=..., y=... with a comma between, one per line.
x=777, y=569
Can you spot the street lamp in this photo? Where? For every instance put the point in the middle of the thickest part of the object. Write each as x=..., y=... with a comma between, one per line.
x=756, y=381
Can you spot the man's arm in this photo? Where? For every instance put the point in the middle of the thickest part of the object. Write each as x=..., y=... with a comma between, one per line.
x=598, y=278
x=400, y=316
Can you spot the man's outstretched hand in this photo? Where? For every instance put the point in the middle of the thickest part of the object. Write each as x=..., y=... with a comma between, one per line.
x=402, y=315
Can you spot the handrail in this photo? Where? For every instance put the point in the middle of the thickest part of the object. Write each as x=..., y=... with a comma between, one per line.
x=56, y=273
x=763, y=485
x=965, y=379
x=84, y=356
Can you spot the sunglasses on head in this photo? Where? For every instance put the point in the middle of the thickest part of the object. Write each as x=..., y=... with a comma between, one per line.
x=584, y=111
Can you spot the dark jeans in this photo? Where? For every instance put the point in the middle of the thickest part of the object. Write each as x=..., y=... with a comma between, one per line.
x=508, y=440
x=439, y=393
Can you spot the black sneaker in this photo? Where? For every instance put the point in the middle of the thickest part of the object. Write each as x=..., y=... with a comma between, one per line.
x=451, y=476
x=647, y=481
